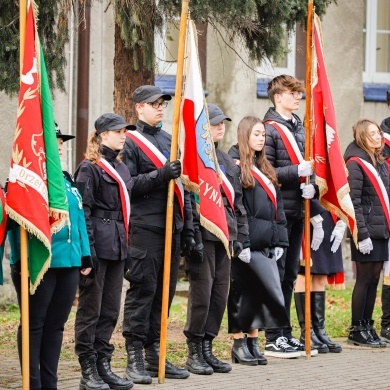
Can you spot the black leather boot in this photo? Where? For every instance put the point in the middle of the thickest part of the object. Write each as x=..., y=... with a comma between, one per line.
x=300, y=307
x=152, y=354
x=241, y=354
x=115, y=382
x=195, y=362
x=253, y=348
x=358, y=335
x=135, y=369
x=216, y=364
x=318, y=320
x=371, y=330
x=90, y=379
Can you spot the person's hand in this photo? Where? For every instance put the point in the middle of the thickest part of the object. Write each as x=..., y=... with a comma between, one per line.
x=305, y=168
x=237, y=248
x=365, y=246
x=171, y=170
x=187, y=245
x=196, y=254
x=337, y=235
x=85, y=271
x=308, y=191
x=278, y=252
x=245, y=255
x=318, y=232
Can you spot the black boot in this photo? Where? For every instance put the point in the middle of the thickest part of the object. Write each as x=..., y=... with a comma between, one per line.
x=216, y=364
x=152, y=354
x=103, y=365
x=318, y=320
x=385, y=323
x=253, y=348
x=195, y=362
x=358, y=335
x=241, y=354
x=300, y=306
x=371, y=330
x=135, y=369
x=90, y=379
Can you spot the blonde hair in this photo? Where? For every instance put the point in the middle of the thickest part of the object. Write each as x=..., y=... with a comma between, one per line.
x=361, y=135
x=248, y=157
x=94, y=146
x=282, y=83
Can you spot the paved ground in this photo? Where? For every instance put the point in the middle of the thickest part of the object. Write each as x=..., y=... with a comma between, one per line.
x=354, y=368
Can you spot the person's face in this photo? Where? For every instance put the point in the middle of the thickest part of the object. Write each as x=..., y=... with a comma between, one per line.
x=374, y=139
x=114, y=139
x=60, y=143
x=217, y=131
x=257, y=137
x=151, y=113
x=288, y=101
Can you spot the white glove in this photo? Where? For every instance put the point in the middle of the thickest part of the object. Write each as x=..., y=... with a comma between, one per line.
x=365, y=246
x=337, y=235
x=245, y=255
x=305, y=168
x=278, y=252
x=308, y=191
x=318, y=232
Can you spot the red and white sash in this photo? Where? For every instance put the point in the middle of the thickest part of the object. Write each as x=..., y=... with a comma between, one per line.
x=159, y=160
x=123, y=194
x=228, y=190
x=265, y=183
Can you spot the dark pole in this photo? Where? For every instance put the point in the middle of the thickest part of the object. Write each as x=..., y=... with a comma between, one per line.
x=83, y=83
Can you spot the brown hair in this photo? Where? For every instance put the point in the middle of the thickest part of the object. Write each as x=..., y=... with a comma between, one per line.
x=361, y=135
x=248, y=157
x=284, y=83
x=93, y=152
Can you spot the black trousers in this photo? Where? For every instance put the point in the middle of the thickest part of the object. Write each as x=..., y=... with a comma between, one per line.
x=98, y=309
x=49, y=309
x=208, y=291
x=143, y=302
x=288, y=266
x=385, y=307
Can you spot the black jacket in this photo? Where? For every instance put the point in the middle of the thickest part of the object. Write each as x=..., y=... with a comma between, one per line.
x=265, y=230
x=385, y=126
x=370, y=218
x=287, y=173
x=150, y=191
x=107, y=234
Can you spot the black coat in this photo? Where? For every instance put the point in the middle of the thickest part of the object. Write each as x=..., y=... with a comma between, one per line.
x=100, y=193
x=265, y=230
x=370, y=217
x=150, y=190
x=385, y=126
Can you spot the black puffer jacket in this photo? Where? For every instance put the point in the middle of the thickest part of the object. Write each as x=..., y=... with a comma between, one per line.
x=370, y=218
x=385, y=126
x=278, y=157
x=265, y=231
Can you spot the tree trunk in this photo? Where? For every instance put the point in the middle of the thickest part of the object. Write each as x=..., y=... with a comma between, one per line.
x=126, y=79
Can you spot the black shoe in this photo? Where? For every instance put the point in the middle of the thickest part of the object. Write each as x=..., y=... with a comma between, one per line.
x=114, y=381
x=317, y=303
x=90, y=379
x=358, y=335
x=216, y=364
x=135, y=369
x=371, y=330
x=241, y=354
x=300, y=347
x=195, y=362
x=253, y=348
x=281, y=349
x=152, y=356
x=385, y=334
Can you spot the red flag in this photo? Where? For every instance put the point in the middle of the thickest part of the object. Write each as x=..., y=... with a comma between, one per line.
x=200, y=165
x=331, y=173
x=36, y=197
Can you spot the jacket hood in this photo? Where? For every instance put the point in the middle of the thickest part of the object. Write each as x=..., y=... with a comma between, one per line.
x=385, y=125
x=233, y=152
x=354, y=151
x=273, y=115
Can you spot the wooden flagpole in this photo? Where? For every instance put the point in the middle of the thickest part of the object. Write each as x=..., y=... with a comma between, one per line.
x=169, y=217
x=308, y=123
x=24, y=294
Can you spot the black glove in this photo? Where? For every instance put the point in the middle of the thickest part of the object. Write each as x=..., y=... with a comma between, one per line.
x=237, y=248
x=187, y=245
x=95, y=267
x=196, y=254
x=171, y=170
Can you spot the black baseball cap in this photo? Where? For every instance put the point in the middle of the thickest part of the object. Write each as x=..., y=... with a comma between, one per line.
x=64, y=137
x=111, y=121
x=216, y=115
x=149, y=94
